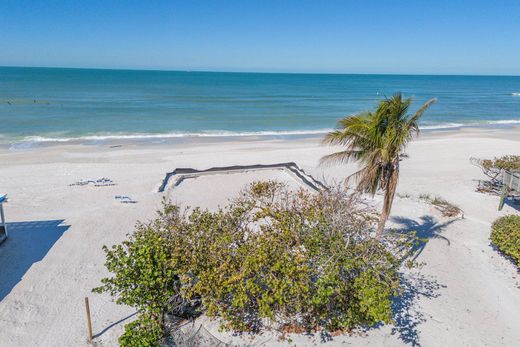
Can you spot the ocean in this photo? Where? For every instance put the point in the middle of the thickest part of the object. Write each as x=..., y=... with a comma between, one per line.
x=57, y=105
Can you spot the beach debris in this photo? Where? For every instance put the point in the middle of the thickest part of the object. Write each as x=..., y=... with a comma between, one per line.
x=125, y=199
x=446, y=208
x=488, y=187
x=104, y=182
x=100, y=182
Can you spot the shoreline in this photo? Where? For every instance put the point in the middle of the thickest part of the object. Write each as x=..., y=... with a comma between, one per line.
x=114, y=141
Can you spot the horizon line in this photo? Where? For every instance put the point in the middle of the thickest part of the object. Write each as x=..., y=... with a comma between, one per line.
x=259, y=72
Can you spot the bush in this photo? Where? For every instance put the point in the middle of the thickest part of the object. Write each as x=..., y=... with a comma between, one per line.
x=142, y=332
x=507, y=162
x=505, y=235
x=294, y=260
x=144, y=279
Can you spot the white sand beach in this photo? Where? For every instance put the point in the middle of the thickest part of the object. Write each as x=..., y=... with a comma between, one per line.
x=465, y=294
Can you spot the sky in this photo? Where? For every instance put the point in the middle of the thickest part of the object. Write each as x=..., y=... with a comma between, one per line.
x=321, y=36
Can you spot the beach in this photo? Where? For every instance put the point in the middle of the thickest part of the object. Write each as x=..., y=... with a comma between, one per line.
x=464, y=294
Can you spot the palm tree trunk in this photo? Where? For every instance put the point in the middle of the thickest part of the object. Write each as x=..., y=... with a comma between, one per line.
x=390, y=189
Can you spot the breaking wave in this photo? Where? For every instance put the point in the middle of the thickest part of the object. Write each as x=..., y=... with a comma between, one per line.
x=28, y=141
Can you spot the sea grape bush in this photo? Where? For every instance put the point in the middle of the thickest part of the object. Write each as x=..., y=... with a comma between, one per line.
x=506, y=162
x=143, y=278
x=505, y=235
x=293, y=260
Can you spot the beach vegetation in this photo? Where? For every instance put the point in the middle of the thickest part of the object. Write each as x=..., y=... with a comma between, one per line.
x=293, y=261
x=425, y=196
x=505, y=235
x=493, y=169
x=377, y=141
x=447, y=209
x=143, y=278
x=506, y=162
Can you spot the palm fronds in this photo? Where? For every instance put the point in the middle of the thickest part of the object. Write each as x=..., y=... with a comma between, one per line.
x=376, y=140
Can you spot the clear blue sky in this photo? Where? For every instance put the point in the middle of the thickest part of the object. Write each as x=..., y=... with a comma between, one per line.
x=439, y=37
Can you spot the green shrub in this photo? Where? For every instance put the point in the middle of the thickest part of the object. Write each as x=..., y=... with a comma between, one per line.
x=505, y=235
x=507, y=162
x=144, y=279
x=142, y=332
x=301, y=261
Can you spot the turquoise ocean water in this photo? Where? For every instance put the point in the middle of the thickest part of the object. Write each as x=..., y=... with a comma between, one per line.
x=52, y=105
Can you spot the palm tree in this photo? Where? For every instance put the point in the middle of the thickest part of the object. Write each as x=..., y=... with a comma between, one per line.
x=377, y=141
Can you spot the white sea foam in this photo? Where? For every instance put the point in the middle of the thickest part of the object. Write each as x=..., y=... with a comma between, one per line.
x=144, y=136
x=29, y=141
x=515, y=94
x=473, y=124
x=442, y=126
x=504, y=121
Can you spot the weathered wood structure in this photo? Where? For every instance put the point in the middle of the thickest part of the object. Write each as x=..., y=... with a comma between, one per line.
x=178, y=175
x=510, y=186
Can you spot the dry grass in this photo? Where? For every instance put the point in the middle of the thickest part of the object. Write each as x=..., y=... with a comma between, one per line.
x=446, y=208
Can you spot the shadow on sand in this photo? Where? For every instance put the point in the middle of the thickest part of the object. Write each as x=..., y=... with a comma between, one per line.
x=110, y=326
x=514, y=204
x=28, y=243
x=407, y=316
x=426, y=228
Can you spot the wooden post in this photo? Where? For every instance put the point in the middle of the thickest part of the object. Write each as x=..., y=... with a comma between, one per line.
x=503, y=196
x=89, y=323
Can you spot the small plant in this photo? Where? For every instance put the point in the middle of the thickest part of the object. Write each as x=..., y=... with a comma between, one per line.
x=265, y=188
x=505, y=235
x=446, y=208
x=426, y=197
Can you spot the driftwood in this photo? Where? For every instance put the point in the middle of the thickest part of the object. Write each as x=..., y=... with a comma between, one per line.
x=489, y=187
x=487, y=168
x=494, y=183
